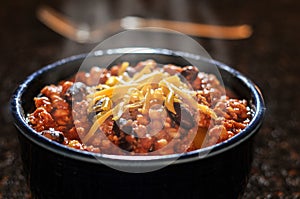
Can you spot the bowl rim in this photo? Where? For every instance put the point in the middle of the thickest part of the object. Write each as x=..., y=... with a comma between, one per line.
x=23, y=127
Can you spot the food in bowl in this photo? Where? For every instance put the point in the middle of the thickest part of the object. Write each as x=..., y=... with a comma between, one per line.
x=55, y=170
x=140, y=109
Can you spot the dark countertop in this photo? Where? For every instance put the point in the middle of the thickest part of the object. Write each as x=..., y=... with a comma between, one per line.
x=270, y=58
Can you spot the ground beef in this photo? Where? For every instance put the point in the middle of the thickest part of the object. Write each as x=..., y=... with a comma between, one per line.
x=63, y=113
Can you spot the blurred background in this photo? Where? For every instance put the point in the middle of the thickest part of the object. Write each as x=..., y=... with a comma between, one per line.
x=270, y=57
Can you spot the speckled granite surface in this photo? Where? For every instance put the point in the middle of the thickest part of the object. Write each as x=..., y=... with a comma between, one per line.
x=270, y=58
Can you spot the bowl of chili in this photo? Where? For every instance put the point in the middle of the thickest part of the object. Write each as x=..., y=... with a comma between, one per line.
x=58, y=166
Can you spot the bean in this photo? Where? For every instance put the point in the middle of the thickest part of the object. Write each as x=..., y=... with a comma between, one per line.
x=142, y=119
x=131, y=71
x=140, y=131
x=54, y=135
x=103, y=104
x=114, y=70
x=76, y=91
x=124, y=126
x=157, y=112
x=190, y=73
x=156, y=125
x=183, y=117
x=161, y=143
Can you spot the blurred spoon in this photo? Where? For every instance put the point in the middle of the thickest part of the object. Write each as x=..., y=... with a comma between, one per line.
x=84, y=34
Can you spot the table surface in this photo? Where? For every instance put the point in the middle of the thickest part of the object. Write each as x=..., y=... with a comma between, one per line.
x=270, y=58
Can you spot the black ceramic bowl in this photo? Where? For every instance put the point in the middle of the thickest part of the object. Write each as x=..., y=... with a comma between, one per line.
x=56, y=171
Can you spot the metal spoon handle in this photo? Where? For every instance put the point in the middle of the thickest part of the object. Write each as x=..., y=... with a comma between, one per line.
x=82, y=34
x=57, y=22
x=194, y=29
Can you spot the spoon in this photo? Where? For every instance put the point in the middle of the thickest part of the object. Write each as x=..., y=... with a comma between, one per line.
x=84, y=34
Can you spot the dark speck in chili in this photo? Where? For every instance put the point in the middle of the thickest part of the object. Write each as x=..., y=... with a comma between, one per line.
x=77, y=91
x=54, y=135
x=182, y=117
x=190, y=73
